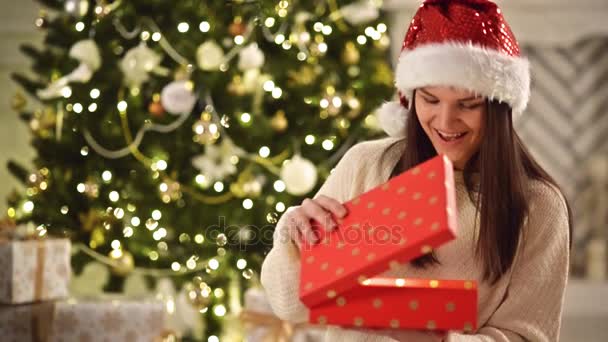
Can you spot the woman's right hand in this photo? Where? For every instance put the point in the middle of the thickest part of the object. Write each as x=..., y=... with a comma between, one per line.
x=323, y=209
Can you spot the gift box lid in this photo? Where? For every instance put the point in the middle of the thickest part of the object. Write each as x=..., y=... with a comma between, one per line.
x=395, y=222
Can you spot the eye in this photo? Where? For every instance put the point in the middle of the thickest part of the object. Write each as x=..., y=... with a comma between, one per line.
x=430, y=101
x=470, y=106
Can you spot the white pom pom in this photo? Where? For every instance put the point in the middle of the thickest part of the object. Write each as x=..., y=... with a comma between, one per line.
x=392, y=117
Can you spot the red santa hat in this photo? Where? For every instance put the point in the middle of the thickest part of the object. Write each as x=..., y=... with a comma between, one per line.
x=460, y=43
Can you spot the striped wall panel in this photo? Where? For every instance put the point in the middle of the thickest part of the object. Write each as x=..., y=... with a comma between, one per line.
x=566, y=124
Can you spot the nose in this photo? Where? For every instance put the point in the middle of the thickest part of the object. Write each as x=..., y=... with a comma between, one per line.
x=445, y=116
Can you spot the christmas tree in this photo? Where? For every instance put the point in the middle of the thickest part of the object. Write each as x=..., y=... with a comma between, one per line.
x=171, y=135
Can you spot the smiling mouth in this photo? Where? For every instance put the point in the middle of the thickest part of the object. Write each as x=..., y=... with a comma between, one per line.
x=450, y=136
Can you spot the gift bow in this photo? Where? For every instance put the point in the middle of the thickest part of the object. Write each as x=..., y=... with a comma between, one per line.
x=279, y=330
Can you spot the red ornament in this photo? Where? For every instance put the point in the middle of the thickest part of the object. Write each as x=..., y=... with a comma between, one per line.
x=156, y=109
x=236, y=29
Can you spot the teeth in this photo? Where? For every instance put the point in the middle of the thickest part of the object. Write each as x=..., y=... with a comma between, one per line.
x=450, y=136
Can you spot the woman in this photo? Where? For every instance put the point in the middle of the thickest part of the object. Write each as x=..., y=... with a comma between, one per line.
x=461, y=81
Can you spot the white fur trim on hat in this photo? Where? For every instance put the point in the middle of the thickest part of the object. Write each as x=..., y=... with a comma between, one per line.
x=484, y=71
x=391, y=117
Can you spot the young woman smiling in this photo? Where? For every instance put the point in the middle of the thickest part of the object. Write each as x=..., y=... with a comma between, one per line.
x=461, y=81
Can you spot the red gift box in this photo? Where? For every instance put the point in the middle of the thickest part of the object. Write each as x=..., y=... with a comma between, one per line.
x=391, y=224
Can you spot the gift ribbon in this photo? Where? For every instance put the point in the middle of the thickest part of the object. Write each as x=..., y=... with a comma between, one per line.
x=41, y=323
x=39, y=270
x=278, y=330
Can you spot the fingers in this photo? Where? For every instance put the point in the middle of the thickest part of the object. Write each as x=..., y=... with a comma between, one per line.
x=319, y=209
x=315, y=211
x=330, y=204
x=294, y=235
x=301, y=224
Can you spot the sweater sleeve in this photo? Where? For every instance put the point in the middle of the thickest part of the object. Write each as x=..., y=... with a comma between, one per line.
x=280, y=274
x=532, y=307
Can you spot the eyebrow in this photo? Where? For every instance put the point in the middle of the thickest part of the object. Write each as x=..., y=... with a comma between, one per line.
x=474, y=97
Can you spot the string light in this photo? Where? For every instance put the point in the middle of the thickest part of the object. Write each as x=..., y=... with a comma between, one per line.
x=119, y=213
x=204, y=26
x=280, y=207
x=361, y=40
x=66, y=92
x=115, y=244
x=239, y=40
x=245, y=117
x=84, y=151
x=135, y=221
x=114, y=197
x=309, y=139
x=264, y=151
x=156, y=214
x=277, y=92
x=122, y=106
x=327, y=145
x=106, y=176
x=199, y=238
x=219, y=310
x=247, y=203
x=214, y=264
x=218, y=186
x=241, y=264
x=279, y=39
x=77, y=108
x=145, y=35
x=269, y=22
x=269, y=86
x=279, y=186
x=81, y=187
x=79, y=26
x=176, y=266
x=127, y=232
x=94, y=93
x=156, y=36
x=92, y=107
x=183, y=27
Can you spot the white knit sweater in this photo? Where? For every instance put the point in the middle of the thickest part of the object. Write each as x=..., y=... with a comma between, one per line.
x=525, y=304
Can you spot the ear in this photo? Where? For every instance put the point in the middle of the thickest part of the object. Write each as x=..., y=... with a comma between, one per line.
x=392, y=118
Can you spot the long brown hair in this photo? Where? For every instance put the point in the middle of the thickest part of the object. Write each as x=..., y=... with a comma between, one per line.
x=504, y=166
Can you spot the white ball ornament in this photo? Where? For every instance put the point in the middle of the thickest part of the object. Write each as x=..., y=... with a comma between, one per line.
x=299, y=175
x=178, y=98
x=209, y=56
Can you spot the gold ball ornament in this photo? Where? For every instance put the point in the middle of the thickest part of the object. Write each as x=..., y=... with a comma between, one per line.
x=306, y=75
x=236, y=86
x=18, y=102
x=351, y=54
x=171, y=191
x=123, y=262
x=246, y=185
x=199, y=294
x=206, y=131
x=279, y=121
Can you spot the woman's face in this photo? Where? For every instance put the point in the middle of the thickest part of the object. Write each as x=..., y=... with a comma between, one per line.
x=454, y=121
